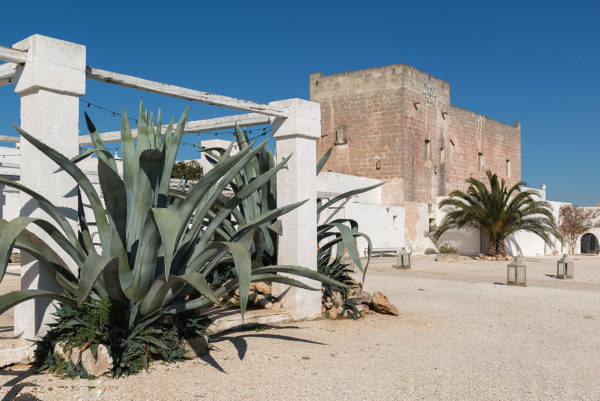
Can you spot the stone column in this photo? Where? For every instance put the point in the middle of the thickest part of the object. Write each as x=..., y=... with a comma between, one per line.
x=297, y=135
x=50, y=83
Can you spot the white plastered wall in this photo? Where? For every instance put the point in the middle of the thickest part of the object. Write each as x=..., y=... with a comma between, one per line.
x=383, y=224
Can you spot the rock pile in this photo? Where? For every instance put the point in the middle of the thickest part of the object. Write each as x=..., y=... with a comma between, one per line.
x=497, y=257
x=94, y=365
x=333, y=306
x=259, y=294
x=102, y=363
x=15, y=257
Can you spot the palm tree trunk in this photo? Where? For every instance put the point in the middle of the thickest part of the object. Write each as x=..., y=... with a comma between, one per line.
x=496, y=248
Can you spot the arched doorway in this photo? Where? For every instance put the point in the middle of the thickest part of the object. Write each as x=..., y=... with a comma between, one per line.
x=589, y=244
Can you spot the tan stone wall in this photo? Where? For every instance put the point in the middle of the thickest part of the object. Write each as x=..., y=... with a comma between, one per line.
x=386, y=114
x=475, y=133
x=392, y=192
x=411, y=218
x=366, y=106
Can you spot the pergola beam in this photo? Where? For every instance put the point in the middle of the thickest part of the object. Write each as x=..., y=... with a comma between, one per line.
x=11, y=139
x=183, y=93
x=191, y=127
x=11, y=55
x=7, y=72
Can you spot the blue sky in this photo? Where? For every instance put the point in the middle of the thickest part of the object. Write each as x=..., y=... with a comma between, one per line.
x=536, y=62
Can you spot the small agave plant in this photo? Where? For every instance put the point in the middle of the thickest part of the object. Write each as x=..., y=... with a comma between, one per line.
x=334, y=238
x=340, y=234
x=157, y=245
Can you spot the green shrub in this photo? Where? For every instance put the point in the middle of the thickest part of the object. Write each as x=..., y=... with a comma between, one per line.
x=187, y=170
x=99, y=322
x=339, y=271
x=447, y=248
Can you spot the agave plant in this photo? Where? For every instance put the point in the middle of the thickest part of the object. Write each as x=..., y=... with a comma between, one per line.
x=340, y=235
x=334, y=238
x=260, y=202
x=157, y=245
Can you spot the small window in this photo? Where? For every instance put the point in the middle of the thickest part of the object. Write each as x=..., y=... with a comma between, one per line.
x=396, y=222
x=442, y=155
x=432, y=225
x=480, y=161
x=340, y=136
x=427, y=150
x=507, y=168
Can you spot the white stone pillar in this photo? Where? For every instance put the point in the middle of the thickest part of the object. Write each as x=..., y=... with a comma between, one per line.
x=297, y=135
x=50, y=83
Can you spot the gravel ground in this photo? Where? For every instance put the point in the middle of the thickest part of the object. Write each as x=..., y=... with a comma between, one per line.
x=461, y=335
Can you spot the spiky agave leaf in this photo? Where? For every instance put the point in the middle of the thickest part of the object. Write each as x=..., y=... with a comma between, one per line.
x=341, y=233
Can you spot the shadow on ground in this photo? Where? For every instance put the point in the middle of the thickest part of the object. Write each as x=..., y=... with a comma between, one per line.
x=238, y=339
x=18, y=383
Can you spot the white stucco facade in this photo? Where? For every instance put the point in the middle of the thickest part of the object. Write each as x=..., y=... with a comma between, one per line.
x=383, y=224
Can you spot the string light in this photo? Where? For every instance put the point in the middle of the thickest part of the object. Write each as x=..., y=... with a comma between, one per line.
x=249, y=132
x=113, y=113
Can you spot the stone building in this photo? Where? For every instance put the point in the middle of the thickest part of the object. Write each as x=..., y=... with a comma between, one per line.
x=396, y=123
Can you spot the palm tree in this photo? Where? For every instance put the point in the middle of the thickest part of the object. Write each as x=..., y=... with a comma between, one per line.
x=498, y=212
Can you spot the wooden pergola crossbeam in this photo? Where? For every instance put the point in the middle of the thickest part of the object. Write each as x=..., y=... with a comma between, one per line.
x=11, y=55
x=7, y=72
x=191, y=127
x=183, y=93
x=11, y=139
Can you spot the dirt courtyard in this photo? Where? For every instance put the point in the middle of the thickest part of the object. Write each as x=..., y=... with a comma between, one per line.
x=461, y=335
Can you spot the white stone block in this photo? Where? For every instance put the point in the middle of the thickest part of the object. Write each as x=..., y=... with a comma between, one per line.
x=304, y=119
x=51, y=64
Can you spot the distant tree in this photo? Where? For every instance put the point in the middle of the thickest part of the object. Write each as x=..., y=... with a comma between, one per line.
x=574, y=221
x=187, y=170
x=498, y=212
